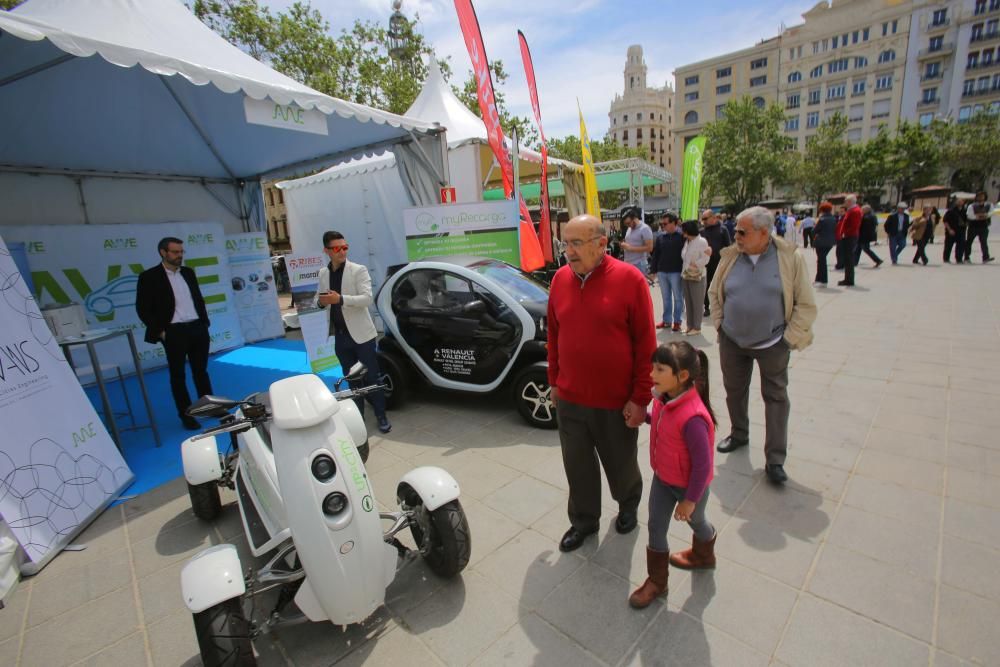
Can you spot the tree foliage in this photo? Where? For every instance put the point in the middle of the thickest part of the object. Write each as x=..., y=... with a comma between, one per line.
x=824, y=166
x=745, y=150
x=527, y=133
x=9, y=4
x=971, y=149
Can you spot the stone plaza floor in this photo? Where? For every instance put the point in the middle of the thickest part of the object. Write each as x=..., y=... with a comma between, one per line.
x=878, y=551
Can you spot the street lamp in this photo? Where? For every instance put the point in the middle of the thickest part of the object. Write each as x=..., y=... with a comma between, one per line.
x=398, y=25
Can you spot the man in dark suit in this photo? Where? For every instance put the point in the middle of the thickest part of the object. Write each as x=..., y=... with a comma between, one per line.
x=171, y=306
x=896, y=226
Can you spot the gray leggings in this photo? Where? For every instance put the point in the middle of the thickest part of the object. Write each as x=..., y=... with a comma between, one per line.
x=662, y=499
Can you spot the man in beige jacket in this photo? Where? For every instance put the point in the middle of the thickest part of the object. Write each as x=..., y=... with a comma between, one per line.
x=763, y=307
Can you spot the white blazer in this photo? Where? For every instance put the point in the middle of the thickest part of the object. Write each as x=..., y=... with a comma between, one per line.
x=356, y=290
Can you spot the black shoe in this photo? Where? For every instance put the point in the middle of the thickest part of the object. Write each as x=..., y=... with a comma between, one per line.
x=707, y=313
x=844, y=283
x=729, y=444
x=190, y=423
x=626, y=522
x=383, y=424
x=776, y=473
x=574, y=538
x=988, y=259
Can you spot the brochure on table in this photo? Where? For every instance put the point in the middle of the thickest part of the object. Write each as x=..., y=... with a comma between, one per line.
x=254, y=291
x=59, y=468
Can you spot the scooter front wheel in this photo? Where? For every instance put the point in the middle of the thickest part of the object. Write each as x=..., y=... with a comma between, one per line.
x=224, y=635
x=446, y=544
x=205, y=501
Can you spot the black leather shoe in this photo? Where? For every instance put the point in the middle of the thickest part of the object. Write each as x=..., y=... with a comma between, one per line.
x=190, y=423
x=574, y=538
x=729, y=444
x=776, y=473
x=626, y=522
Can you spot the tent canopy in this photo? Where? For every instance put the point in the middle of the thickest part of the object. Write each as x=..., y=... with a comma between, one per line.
x=144, y=88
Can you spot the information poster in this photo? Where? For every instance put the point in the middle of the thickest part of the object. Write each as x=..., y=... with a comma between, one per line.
x=98, y=266
x=319, y=343
x=303, y=270
x=483, y=229
x=58, y=465
x=254, y=291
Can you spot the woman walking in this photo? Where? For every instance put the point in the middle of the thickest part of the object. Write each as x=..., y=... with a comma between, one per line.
x=694, y=257
x=824, y=238
x=920, y=232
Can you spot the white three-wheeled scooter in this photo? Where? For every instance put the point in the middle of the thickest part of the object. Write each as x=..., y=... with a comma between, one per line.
x=303, y=493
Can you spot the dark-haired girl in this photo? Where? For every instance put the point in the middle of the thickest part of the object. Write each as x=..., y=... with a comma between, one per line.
x=682, y=430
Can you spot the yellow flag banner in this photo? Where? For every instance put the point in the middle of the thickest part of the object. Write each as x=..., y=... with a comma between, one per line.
x=589, y=178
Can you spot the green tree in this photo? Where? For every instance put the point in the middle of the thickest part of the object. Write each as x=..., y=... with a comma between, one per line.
x=9, y=4
x=527, y=133
x=823, y=167
x=744, y=151
x=569, y=148
x=971, y=149
x=915, y=160
x=870, y=167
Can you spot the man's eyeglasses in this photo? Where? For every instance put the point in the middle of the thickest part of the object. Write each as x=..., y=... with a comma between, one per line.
x=740, y=232
x=575, y=243
x=338, y=248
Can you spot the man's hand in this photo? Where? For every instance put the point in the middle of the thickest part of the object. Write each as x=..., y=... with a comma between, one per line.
x=635, y=414
x=554, y=395
x=684, y=510
x=331, y=298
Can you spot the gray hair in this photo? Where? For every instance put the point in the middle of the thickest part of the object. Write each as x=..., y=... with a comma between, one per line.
x=850, y=200
x=760, y=217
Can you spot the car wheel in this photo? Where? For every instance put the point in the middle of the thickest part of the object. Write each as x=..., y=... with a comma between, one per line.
x=224, y=635
x=533, y=397
x=396, y=378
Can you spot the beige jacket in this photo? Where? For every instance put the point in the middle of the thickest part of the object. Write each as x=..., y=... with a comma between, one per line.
x=800, y=302
x=356, y=290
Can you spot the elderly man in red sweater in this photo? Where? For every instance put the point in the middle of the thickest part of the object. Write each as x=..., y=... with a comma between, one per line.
x=848, y=233
x=601, y=340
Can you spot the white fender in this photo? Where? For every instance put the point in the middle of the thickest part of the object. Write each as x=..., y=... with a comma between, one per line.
x=201, y=460
x=353, y=420
x=212, y=576
x=434, y=486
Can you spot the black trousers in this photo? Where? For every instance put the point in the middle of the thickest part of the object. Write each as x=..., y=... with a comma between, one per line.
x=187, y=342
x=845, y=254
x=982, y=231
x=807, y=236
x=821, y=270
x=866, y=247
x=349, y=353
x=956, y=241
x=592, y=438
x=709, y=274
x=921, y=253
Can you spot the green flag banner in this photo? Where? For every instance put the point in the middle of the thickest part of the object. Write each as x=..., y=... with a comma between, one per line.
x=691, y=178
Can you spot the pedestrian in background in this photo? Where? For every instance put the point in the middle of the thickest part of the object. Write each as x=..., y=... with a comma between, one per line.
x=718, y=237
x=847, y=239
x=896, y=227
x=808, y=229
x=667, y=264
x=978, y=216
x=954, y=230
x=920, y=233
x=869, y=232
x=825, y=239
x=694, y=256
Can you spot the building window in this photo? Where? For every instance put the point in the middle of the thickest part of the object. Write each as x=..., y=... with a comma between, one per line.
x=723, y=89
x=856, y=112
x=977, y=32
x=996, y=82
x=854, y=135
x=940, y=17
x=932, y=71
x=864, y=34
x=815, y=48
x=880, y=108
x=691, y=80
x=791, y=124
x=691, y=117
x=638, y=134
x=964, y=114
x=814, y=96
x=760, y=63
x=987, y=57
x=929, y=95
x=833, y=42
x=860, y=62
x=812, y=119
x=926, y=119
x=792, y=101
x=895, y=23
x=885, y=29
x=625, y=135
x=625, y=119
x=883, y=82
x=992, y=27
x=983, y=84
x=887, y=56
x=816, y=72
x=858, y=88
x=638, y=117
x=691, y=97
x=839, y=65
x=936, y=43
x=794, y=76
x=758, y=81
x=968, y=86
x=791, y=53
x=720, y=111
x=980, y=7
x=837, y=92
x=723, y=72
x=759, y=102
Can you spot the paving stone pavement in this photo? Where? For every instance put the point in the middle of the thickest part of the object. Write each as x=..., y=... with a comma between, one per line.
x=880, y=550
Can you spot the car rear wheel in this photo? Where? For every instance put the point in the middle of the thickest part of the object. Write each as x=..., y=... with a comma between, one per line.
x=533, y=397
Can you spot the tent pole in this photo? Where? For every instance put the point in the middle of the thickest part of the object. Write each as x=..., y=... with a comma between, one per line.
x=44, y=171
x=427, y=160
x=222, y=201
x=36, y=69
x=83, y=200
x=198, y=128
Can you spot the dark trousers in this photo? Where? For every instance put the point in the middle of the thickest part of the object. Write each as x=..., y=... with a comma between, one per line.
x=982, y=231
x=592, y=438
x=845, y=255
x=866, y=247
x=821, y=271
x=349, y=353
x=896, y=244
x=921, y=253
x=956, y=241
x=709, y=274
x=737, y=369
x=187, y=342
x=807, y=236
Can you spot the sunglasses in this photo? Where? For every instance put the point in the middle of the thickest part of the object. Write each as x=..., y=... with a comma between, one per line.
x=338, y=248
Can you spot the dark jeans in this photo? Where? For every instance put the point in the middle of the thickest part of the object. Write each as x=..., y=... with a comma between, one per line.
x=977, y=230
x=866, y=247
x=896, y=244
x=821, y=272
x=845, y=254
x=592, y=438
x=921, y=255
x=808, y=234
x=190, y=342
x=956, y=241
x=737, y=369
x=349, y=353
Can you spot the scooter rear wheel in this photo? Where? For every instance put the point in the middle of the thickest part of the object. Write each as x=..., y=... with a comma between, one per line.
x=224, y=635
x=205, y=501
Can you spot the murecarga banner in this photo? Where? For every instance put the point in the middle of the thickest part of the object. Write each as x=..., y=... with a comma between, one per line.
x=484, y=229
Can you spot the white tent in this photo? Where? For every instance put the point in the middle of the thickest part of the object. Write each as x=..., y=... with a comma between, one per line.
x=364, y=198
x=134, y=111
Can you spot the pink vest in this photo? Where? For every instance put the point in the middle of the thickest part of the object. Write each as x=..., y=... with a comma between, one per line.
x=668, y=454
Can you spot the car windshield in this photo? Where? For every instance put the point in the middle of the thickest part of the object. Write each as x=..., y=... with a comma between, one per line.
x=521, y=286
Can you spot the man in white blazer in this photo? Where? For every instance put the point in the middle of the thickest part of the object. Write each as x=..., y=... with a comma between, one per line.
x=345, y=290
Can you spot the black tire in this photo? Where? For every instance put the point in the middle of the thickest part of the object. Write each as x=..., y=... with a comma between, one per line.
x=205, y=500
x=450, y=540
x=364, y=450
x=533, y=397
x=396, y=377
x=224, y=635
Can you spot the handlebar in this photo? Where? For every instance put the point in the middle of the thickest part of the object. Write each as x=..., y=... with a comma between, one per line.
x=237, y=426
x=360, y=392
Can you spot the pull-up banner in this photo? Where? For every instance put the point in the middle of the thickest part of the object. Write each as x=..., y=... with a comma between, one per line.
x=530, y=250
x=59, y=468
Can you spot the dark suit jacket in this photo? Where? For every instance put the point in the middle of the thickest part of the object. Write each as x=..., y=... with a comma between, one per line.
x=896, y=225
x=154, y=300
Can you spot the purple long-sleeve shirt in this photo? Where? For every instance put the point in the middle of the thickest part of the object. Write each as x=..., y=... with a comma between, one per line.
x=699, y=448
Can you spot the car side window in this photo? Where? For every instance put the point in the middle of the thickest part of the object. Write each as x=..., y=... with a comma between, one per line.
x=430, y=289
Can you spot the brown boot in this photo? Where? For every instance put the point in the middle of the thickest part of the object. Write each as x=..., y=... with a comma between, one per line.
x=658, y=567
x=701, y=555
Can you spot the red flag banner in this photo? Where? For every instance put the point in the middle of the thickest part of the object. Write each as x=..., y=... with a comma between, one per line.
x=531, y=251
x=545, y=226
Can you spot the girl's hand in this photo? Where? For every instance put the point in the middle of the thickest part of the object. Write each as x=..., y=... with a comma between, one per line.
x=683, y=510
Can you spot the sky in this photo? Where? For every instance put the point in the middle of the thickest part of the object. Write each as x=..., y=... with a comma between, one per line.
x=578, y=46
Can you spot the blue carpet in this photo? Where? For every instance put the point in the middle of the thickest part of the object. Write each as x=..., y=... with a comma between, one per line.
x=235, y=374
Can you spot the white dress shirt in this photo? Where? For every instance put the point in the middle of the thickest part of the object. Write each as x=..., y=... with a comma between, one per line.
x=184, y=310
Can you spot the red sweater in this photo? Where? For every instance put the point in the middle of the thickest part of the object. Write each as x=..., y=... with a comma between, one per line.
x=850, y=224
x=601, y=336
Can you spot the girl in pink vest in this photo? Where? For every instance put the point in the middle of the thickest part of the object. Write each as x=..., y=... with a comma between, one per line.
x=682, y=430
